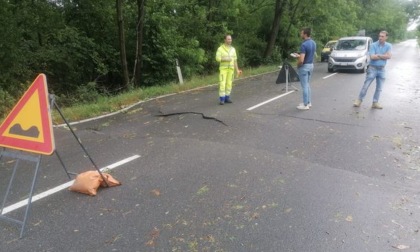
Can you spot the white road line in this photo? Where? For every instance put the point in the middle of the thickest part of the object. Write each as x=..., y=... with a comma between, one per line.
x=272, y=99
x=62, y=187
x=328, y=76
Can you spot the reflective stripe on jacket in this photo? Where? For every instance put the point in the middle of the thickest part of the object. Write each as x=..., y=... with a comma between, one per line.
x=224, y=51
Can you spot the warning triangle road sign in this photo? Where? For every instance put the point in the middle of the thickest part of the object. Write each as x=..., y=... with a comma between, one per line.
x=28, y=127
x=293, y=76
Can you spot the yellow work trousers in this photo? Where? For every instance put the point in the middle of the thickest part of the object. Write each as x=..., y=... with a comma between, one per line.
x=225, y=81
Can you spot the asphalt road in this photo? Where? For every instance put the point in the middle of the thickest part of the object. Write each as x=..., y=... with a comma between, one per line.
x=273, y=178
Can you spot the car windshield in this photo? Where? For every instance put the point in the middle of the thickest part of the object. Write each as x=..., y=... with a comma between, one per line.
x=351, y=45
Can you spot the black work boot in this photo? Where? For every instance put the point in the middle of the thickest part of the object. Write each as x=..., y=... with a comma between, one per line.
x=222, y=101
x=227, y=99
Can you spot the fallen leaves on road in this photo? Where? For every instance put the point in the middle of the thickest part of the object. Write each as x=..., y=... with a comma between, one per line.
x=154, y=234
x=288, y=210
x=155, y=192
x=401, y=247
x=203, y=190
x=114, y=239
x=129, y=135
x=376, y=137
x=238, y=207
x=340, y=217
x=279, y=180
x=210, y=238
x=38, y=223
x=254, y=216
x=396, y=223
x=398, y=142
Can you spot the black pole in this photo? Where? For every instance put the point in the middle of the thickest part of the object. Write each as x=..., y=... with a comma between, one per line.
x=62, y=163
x=78, y=140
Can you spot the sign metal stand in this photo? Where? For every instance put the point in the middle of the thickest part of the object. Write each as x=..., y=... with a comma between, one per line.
x=32, y=141
x=287, y=74
x=19, y=156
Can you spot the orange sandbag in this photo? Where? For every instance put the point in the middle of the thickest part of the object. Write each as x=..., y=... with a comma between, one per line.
x=89, y=182
x=110, y=181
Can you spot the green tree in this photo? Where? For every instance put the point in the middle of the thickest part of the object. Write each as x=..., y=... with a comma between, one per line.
x=165, y=40
x=386, y=15
x=121, y=42
x=138, y=63
x=80, y=44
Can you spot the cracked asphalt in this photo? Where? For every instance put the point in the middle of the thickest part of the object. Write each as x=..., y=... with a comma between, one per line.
x=223, y=178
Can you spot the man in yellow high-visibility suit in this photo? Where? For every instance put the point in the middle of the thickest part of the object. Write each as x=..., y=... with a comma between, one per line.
x=226, y=56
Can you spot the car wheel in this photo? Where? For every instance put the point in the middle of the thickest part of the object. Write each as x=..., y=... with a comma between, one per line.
x=331, y=70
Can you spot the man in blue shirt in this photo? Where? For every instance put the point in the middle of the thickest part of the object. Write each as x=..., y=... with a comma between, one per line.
x=306, y=66
x=379, y=53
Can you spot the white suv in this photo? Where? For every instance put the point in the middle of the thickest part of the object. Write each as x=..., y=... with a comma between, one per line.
x=350, y=53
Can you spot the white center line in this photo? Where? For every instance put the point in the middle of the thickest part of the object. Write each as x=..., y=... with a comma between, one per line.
x=61, y=187
x=272, y=99
x=328, y=76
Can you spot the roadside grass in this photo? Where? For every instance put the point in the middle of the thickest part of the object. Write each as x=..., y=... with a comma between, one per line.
x=105, y=105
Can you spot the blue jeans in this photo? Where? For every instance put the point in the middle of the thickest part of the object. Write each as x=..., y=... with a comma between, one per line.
x=305, y=74
x=372, y=73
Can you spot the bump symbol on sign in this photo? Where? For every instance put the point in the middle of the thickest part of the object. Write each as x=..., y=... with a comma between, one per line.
x=17, y=130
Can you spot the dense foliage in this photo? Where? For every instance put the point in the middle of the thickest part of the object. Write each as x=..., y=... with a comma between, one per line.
x=78, y=43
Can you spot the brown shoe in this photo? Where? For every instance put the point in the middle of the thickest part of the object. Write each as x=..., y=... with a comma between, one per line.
x=376, y=105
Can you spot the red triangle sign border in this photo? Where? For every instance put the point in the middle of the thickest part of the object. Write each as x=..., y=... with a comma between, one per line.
x=47, y=146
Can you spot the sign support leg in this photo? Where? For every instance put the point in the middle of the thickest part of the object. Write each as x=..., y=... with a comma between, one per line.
x=28, y=207
x=18, y=157
x=78, y=140
x=10, y=185
x=286, y=66
x=64, y=167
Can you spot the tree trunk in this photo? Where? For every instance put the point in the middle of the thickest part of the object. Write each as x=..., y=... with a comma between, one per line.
x=123, y=54
x=141, y=5
x=274, y=27
x=292, y=21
